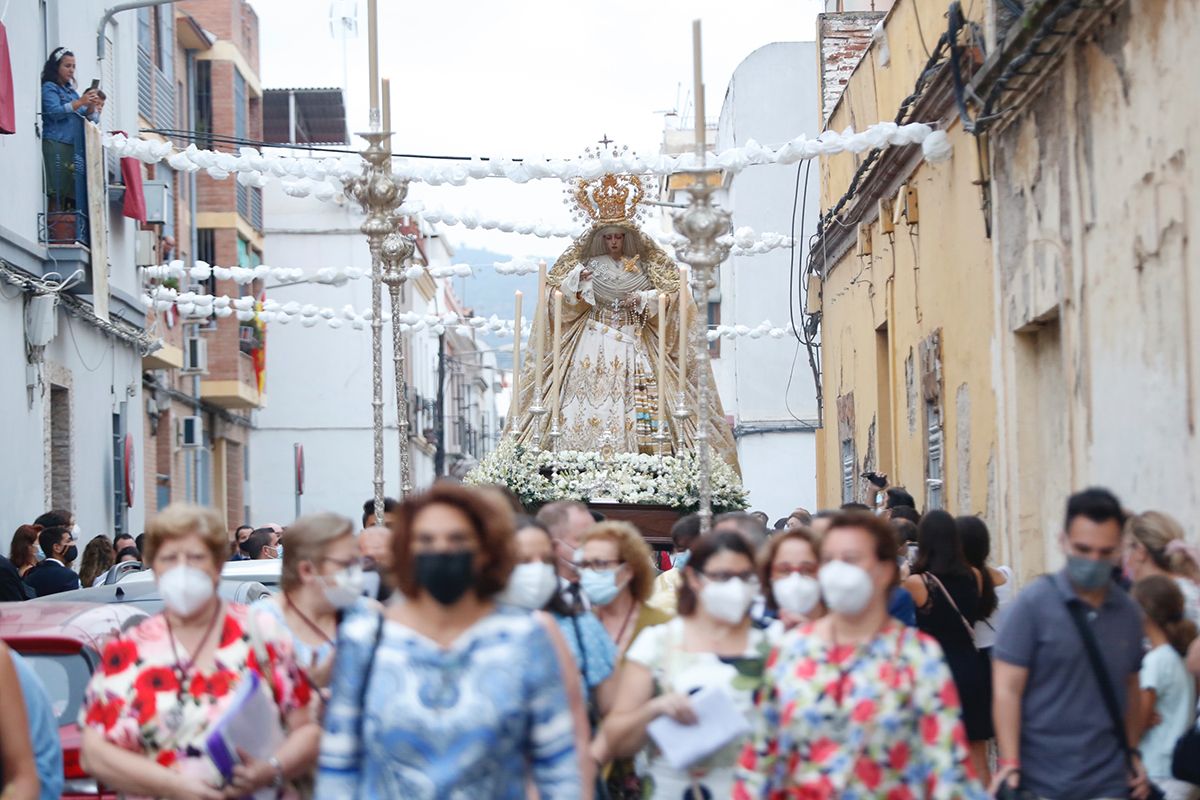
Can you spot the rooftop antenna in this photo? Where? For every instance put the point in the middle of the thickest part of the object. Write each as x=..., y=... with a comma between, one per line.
x=343, y=26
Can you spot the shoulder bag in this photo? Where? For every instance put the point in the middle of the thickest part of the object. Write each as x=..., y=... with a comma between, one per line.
x=1092, y=648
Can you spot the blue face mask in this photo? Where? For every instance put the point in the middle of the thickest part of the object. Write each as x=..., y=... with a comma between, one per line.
x=600, y=586
x=40, y=553
x=679, y=560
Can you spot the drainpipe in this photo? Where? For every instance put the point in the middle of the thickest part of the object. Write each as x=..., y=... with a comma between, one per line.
x=112, y=12
x=194, y=235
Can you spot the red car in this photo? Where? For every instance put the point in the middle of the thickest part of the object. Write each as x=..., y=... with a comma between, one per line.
x=63, y=642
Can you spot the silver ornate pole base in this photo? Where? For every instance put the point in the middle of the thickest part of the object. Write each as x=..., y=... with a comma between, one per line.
x=538, y=410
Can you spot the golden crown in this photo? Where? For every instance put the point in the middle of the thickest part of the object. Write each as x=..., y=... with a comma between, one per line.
x=611, y=198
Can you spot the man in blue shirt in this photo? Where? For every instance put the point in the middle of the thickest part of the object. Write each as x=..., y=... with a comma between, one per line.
x=1054, y=732
x=43, y=729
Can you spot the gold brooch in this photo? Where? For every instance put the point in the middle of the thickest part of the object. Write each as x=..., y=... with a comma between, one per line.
x=630, y=264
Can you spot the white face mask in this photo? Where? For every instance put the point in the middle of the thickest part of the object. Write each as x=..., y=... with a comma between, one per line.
x=185, y=589
x=76, y=532
x=796, y=594
x=728, y=600
x=847, y=589
x=530, y=586
x=346, y=588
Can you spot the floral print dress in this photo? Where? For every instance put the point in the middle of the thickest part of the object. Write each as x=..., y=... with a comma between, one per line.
x=136, y=701
x=877, y=720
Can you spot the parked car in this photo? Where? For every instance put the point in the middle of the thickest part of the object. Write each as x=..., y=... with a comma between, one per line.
x=144, y=594
x=62, y=641
x=265, y=571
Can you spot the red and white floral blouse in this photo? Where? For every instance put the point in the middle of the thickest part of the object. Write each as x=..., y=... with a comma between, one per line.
x=135, y=698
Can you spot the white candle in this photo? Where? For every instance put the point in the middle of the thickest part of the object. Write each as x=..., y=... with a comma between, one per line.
x=662, y=359
x=557, y=390
x=698, y=89
x=683, y=327
x=516, y=387
x=373, y=54
x=539, y=341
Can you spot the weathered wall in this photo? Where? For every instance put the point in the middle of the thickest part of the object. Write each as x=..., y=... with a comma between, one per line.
x=1098, y=321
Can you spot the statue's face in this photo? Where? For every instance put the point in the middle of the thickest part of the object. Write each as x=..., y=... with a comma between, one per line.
x=615, y=242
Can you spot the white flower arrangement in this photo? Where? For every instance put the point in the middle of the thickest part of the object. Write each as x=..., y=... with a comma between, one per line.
x=540, y=476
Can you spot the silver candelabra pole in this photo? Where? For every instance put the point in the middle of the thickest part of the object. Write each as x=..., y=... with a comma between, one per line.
x=702, y=223
x=379, y=193
x=396, y=251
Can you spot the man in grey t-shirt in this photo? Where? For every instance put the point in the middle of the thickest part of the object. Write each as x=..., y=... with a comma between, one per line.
x=1055, y=735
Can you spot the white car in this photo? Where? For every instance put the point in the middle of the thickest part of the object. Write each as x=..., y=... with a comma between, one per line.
x=265, y=571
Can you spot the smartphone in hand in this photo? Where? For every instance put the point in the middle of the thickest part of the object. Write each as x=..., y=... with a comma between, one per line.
x=95, y=85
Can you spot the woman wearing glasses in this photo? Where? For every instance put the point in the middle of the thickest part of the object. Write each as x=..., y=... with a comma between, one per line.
x=711, y=645
x=616, y=574
x=788, y=571
x=321, y=581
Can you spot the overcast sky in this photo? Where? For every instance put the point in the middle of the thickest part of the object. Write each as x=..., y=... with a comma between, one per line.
x=501, y=77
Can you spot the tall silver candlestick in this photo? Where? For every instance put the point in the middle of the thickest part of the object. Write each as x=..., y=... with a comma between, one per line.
x=379, y=193
x=702, y=223
x=396, y=251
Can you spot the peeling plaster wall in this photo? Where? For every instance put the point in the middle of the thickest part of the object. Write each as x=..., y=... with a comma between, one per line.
x=1098, y=324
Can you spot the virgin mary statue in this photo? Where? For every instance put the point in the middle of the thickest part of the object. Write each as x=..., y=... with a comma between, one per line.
x=611, y=279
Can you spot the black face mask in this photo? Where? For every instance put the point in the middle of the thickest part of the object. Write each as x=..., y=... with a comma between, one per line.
x=70, y=555
x=446, y=576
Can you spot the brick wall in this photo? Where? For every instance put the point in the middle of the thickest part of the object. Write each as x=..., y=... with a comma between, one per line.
x=842, y=38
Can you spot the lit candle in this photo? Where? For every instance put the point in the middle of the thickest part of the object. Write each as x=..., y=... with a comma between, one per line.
x=683, y=326
x=516, y=387
x=662, y=360
x=556, y=392
x=539, y=341
x=698, y=89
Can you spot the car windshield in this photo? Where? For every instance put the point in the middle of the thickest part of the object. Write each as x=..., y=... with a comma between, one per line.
x=65, y=677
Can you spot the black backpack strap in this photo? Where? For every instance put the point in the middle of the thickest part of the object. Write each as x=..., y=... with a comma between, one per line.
x=1090, y=646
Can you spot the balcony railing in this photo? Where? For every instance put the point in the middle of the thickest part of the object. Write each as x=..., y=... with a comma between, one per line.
x=249, y=205
x=156, y=93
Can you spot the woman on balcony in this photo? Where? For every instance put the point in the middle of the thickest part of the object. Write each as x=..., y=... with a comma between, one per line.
x=63, y=113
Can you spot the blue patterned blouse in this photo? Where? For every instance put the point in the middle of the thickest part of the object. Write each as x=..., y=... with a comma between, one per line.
x=471, y=721
x=590, y=644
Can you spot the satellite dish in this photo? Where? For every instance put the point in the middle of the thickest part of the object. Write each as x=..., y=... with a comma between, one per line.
x=343, y=18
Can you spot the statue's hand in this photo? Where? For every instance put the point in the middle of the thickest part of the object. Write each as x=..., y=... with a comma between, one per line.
x=585, y=274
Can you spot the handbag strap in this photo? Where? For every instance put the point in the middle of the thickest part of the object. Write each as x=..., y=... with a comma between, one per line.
x=366, y=682
x=1092, y=648
x=929, y=576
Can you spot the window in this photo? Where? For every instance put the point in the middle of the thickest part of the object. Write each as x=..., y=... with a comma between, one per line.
x=714, y=319
x=848, y=471
x=202, y=125
x=934, y=493
x=118, y=461
x=239, y=106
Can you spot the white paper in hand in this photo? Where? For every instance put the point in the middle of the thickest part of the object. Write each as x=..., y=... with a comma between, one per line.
x=251, y=723
x=718, y=722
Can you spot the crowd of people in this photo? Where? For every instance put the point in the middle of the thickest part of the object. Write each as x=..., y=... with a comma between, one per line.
x=459, y=647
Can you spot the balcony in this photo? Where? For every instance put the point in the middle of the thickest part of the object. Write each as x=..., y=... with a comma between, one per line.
x=233, y=391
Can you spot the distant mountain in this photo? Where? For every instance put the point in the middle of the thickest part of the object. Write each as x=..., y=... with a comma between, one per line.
x=487, y=292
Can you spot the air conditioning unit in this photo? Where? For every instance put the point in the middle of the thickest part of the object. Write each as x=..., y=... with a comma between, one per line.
x=195, y=354
x=146, y=249
x=158, y=201
x=191, y=431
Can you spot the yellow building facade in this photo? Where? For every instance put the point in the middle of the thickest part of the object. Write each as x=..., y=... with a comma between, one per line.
x=906, y=293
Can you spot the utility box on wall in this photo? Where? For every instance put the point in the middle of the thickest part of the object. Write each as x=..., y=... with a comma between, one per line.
x=158, y=201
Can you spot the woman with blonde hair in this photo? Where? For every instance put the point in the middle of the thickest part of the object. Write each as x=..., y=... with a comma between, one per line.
x=161, y=686
x=321, y=580
x=1155, y=545
x=617, y=575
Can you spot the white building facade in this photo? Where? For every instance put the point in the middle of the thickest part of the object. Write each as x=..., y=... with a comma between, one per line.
x=766, y=384
x=70, y=362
